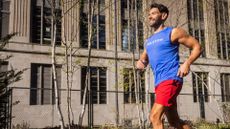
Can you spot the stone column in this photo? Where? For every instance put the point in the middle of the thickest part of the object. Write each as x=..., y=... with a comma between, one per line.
x=20, y=20
x=210, y=29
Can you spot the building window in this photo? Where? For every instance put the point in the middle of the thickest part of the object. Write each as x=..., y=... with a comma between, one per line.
x=225, y=87
x=196, y=22
x=98, y=25
x=97, y=84
x=200, y=84
x=4, y=17
x=129, y=87
x=4, y=71
x=128, y=23
x=41, y=21
x=3, y=66
x=42, y=84
x=222, y=28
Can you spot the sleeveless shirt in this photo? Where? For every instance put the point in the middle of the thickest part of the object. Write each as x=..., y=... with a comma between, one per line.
x=163, y=56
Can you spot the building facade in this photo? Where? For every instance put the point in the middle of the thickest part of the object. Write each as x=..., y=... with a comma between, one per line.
x=116, y=25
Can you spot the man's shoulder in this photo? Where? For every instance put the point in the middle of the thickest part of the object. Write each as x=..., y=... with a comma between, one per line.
x=178, y=33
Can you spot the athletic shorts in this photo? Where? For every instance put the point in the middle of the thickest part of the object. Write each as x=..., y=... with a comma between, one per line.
x=167, y=92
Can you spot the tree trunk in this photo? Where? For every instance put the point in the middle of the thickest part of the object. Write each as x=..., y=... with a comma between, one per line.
x=115, y=63
x=135, y=73
x=147, y=96
x=64, y=41
x=66, y=8
x=53, y=41
x=90, y=34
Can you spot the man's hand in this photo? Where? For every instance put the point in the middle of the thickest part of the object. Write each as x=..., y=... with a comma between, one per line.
x=141, y=65
x=184, y=69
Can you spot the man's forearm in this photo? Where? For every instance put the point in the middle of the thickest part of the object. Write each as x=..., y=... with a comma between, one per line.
x=144, y=57
x=196, y=51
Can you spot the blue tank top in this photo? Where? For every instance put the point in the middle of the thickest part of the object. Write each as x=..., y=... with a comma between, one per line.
x=163, y=56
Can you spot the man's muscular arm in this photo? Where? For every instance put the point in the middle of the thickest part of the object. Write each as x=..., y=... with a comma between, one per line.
x=179, y=35
x=143, y=61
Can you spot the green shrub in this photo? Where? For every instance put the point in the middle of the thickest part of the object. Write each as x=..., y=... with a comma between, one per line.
x=207, y=125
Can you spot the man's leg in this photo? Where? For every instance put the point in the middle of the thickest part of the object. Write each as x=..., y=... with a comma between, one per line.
x=156, y=116
x=174, y=119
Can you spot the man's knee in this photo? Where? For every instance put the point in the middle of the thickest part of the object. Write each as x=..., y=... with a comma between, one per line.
x=156, y=114
x=155, y=117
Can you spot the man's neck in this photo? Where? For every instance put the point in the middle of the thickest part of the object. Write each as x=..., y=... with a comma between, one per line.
x=159, y=28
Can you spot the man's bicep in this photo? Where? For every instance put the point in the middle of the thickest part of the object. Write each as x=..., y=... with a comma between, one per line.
x=179, y=35
x=188, y=41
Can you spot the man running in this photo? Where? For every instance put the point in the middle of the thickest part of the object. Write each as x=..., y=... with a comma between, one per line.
x=162, y=53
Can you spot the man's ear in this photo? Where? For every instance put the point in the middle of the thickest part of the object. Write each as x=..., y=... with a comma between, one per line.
x=164, y=16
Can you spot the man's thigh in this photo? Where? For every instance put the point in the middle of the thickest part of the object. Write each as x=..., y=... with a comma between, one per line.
x=167, y=92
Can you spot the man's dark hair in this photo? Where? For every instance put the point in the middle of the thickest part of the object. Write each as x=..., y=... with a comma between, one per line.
x=162, y=8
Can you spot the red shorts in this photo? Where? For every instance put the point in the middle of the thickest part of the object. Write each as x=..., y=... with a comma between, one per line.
x=167, y=92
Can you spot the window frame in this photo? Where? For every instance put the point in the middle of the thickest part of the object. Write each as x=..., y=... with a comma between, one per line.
x=4, y=10
x=42, y=36
x=129, y=92
x=37, y=91
x=200, y=90
x=128, y=26
x=222, y=28
x=100, y=77
x=195, y=13
x=98, y=22
x=225, y=90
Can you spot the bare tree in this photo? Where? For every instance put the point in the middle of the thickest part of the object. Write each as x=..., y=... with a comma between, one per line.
x=53, y=42
x=115, y=63
x=67, y=41
x=91, y=7
x=138, y=86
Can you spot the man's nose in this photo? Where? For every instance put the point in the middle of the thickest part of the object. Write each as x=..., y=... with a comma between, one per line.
x=150, y=17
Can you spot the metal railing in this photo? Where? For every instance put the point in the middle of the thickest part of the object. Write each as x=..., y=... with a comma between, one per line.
x=44, y=115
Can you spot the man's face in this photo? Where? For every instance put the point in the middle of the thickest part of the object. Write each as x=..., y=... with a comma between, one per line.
x=155, y=17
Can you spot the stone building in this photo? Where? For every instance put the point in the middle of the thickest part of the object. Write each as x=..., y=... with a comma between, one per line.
x=205, y=88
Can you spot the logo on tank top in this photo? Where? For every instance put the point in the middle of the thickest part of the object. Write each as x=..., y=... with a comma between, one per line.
x=154, y=41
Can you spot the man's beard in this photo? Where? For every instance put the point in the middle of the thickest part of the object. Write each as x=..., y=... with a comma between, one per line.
x=156, y=24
